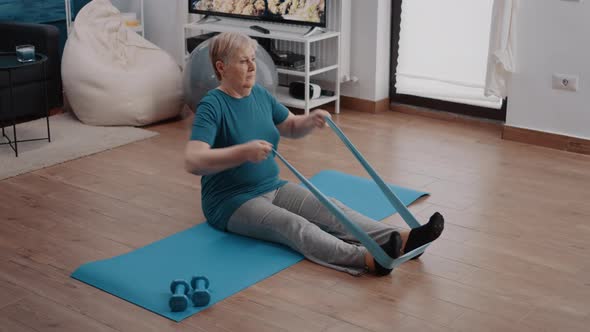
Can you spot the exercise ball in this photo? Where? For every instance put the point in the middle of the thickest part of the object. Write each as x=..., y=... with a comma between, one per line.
x=199, y=76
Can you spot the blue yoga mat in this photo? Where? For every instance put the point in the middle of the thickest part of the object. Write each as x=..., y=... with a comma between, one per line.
x=361, y=194
x=231, y=262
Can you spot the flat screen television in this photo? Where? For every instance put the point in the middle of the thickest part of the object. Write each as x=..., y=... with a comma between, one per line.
x=303, y=12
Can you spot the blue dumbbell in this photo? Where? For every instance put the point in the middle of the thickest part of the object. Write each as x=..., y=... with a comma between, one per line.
x=179, y=300
x=201, y=296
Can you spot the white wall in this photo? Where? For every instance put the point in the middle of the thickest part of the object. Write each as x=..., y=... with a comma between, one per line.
x=370, y=42
x=164, y=24
x=383, y=50
x=164, y=21
x=552, y=37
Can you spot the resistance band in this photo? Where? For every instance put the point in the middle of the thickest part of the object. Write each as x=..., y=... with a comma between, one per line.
x=372, y=246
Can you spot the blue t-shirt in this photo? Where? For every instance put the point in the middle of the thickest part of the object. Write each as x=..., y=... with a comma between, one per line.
x=222, y=121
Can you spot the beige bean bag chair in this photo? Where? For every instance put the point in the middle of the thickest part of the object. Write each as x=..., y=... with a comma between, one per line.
x=112, y=76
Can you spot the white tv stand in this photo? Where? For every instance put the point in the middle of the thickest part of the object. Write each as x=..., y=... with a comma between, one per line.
x=286, y=33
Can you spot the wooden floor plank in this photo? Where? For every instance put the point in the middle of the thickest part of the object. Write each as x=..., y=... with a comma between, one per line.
x=514, y=255
x=10, y=293
x=41, y=314
x=46, y=282
x=8, y=324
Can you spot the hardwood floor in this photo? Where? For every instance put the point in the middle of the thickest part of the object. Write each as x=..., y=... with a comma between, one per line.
x=515, y=254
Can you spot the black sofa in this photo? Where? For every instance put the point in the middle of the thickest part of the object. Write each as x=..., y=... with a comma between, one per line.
x=27, y=83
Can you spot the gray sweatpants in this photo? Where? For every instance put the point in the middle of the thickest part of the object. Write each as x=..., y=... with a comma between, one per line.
x=293, y=216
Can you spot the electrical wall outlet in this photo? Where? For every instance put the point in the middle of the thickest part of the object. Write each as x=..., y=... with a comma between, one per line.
x=565, y=82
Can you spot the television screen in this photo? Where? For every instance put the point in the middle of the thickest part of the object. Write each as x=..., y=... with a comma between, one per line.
x=305, y=12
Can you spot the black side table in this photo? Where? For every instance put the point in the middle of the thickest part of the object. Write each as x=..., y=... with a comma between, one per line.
x=10, y=65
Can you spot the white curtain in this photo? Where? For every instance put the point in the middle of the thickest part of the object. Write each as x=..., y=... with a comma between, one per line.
x=443, y=51
x=502, y=47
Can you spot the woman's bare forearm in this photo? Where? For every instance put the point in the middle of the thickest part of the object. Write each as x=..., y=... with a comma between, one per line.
x=211, y=161
x=301, y=125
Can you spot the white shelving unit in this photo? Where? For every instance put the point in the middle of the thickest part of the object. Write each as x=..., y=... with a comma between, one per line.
x=139, y=29
x=287, y=34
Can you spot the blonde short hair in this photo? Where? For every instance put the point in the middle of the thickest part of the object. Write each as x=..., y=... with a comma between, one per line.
x=222, y=47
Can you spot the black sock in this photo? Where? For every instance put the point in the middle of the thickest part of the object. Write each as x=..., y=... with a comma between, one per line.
x=392, y=248
x=425, y=233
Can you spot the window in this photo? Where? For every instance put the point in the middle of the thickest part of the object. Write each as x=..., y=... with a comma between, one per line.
x=440, y=55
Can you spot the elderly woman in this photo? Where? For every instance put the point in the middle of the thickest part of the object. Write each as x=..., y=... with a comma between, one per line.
x=235, y=129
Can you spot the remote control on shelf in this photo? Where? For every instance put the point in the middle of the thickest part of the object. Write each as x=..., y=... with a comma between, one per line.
x=259, y=29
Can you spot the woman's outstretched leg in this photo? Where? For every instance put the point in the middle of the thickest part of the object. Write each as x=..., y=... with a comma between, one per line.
x=302, y=202
x=259, y=218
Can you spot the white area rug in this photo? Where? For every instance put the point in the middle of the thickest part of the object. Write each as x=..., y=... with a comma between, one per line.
x=70, y=139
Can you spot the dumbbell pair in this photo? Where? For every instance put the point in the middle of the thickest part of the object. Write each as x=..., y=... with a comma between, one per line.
x=180, y=290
